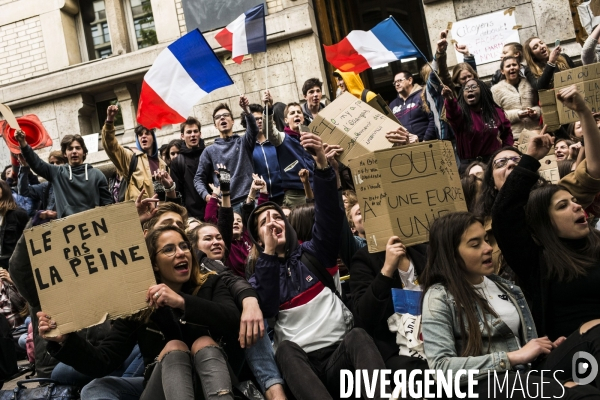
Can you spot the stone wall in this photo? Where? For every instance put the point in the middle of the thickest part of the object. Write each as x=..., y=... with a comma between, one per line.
x=22, y=53
x=547, y=19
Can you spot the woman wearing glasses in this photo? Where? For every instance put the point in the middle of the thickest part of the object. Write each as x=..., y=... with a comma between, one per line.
x=190, y=312
x=480, y=126
x=546, y=239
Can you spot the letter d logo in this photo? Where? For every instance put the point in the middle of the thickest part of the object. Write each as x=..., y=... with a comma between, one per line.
x=582, y=368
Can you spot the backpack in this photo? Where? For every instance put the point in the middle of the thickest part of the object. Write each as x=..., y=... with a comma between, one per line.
x=126, y=179
x=8, y=360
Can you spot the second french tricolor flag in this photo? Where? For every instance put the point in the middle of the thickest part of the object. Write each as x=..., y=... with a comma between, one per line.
x=361, y=50
x=247, y=34
x=181, y=75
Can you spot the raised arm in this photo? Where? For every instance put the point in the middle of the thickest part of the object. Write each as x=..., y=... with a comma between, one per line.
x=44, y=169
x=584, y=182
x=34, y=192
x=325, y=242
x=588, y=52
x=120, y=156
x=440, y=59
x=571, y=98
x=251, y=126
x=508, y=213
x=204, y=175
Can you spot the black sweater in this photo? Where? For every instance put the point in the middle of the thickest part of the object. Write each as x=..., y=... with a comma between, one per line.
x=212, y=312
x=546, y=80
x=183, y=170
x=10, y=232
x=372, y=294
x=558, y=308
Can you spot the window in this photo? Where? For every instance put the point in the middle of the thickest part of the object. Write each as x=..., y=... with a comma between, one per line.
x=94, y=37
x=99, y=28
x=143, y=24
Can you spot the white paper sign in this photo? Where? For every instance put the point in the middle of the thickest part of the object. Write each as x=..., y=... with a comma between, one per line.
x=486, y=35
x=91, y=142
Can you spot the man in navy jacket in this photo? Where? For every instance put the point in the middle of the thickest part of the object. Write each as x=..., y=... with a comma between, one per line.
x=412, y=109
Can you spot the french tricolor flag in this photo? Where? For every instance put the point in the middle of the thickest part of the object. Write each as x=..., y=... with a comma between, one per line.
x=247, y=34
x=183, y=73
x=362, y=50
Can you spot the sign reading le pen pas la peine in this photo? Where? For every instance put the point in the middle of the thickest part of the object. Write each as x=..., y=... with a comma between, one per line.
x=401, y=190
x=90, y=266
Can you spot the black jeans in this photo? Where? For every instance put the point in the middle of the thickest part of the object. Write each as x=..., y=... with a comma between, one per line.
x=316, y=375
x=559, y=360
x=562, y=357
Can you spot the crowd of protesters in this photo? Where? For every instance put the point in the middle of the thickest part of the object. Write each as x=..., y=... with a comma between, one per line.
x=262, y=269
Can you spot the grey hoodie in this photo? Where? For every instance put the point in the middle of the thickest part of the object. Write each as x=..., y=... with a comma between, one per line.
x=76, y=189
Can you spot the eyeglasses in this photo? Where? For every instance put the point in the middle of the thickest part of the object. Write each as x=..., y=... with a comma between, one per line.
x=501, y=162
x=471, y=88
x=170, y=249
x=399, y=81
x=224, y=115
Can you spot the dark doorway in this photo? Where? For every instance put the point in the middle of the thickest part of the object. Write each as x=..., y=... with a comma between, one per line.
x=336, y=18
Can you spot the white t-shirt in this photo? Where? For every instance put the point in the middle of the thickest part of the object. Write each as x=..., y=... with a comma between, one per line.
x=409, y=279
x=501, y=304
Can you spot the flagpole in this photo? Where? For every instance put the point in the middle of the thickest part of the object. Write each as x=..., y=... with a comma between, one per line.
x=416, y=47
x=266, y=122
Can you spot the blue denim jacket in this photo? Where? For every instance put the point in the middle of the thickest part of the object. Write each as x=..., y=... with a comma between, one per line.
x=442, y=338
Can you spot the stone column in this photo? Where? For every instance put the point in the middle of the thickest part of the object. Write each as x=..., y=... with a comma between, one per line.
x=166, y=22
x=60, y=36
x=117, y=26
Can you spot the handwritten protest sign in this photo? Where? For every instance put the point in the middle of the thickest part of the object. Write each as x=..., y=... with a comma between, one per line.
x=587, y=79
x=486, y=35
x=524, y=139
x=354, y=125
x=90, y=266
x=549, y=169
x=402, y=190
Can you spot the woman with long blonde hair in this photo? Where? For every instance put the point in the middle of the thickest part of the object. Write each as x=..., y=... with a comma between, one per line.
x=542, y=63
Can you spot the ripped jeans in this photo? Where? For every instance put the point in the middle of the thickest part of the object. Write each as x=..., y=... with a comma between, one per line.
x=173, y=376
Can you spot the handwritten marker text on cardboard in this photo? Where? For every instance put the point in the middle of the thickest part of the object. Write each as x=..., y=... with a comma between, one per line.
x=90, y=265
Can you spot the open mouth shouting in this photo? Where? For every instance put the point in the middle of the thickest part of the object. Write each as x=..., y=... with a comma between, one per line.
x=182, y=268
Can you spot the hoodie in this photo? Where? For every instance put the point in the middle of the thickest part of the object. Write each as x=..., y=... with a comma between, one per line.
x=354, y=84
x=235, y=152
x=308, y=313
x=76, y=189
x=413, y=117
x=183, y=170
x=308, y=117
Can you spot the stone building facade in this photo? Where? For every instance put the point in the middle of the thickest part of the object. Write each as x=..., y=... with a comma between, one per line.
x=45, y=68
x=66, y=60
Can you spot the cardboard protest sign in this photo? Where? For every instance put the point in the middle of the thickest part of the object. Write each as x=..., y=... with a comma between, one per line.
x=402, y=190
x=549, y=169
x=587, y=79
x=354, y=125
x=90, y=266
x=524, y=139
